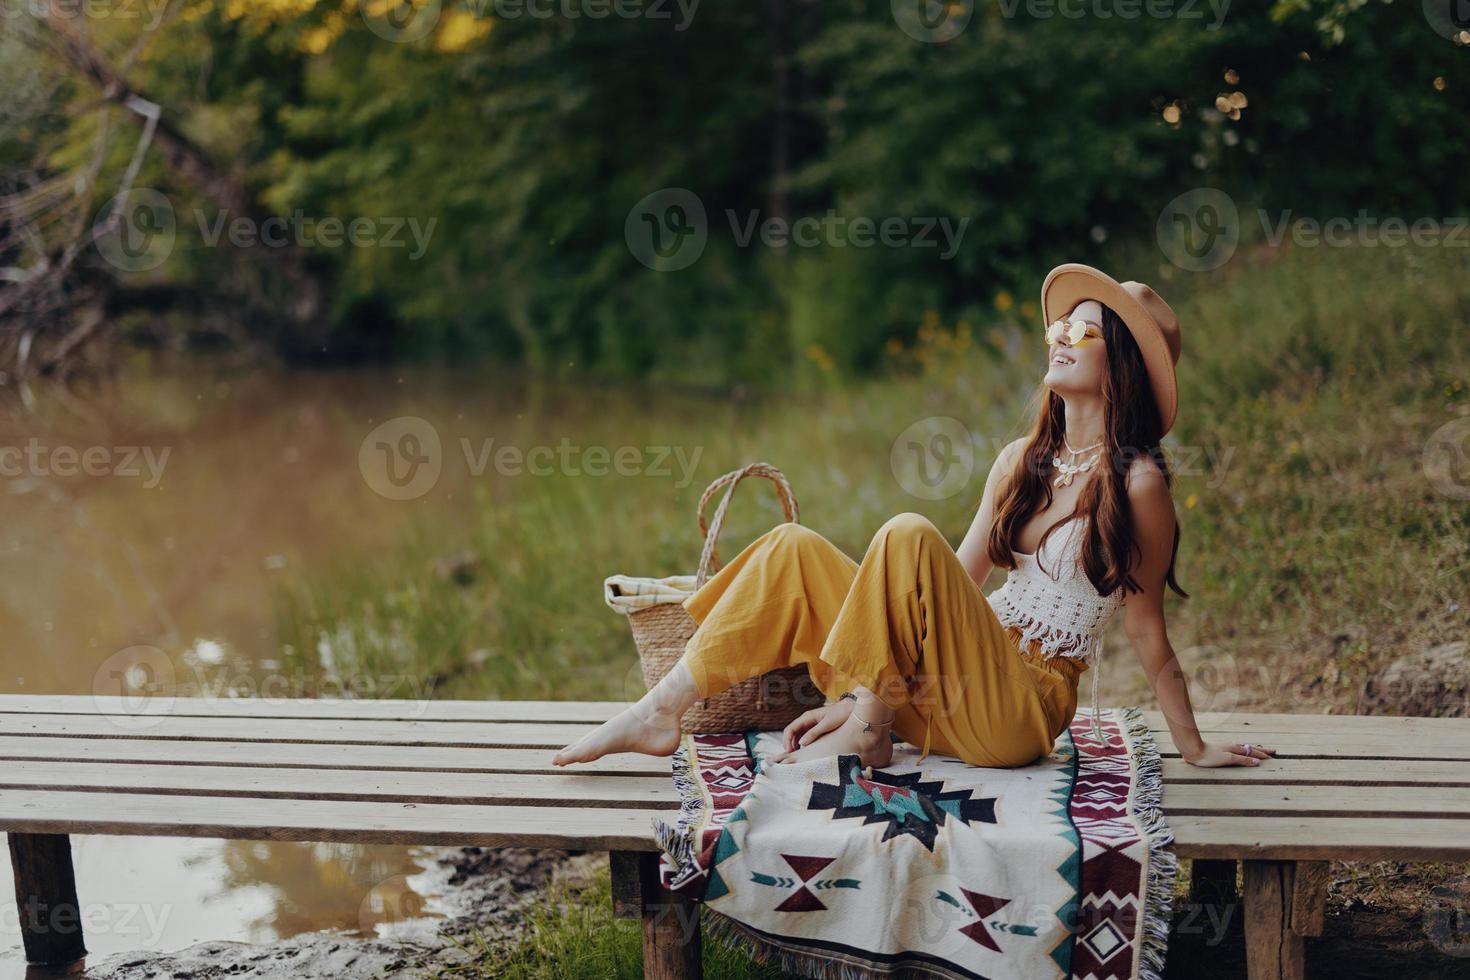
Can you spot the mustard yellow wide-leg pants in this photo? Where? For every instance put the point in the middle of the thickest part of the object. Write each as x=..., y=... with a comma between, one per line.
x=907, y=622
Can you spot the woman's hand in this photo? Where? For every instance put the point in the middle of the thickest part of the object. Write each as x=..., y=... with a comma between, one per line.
x=1234, y=754
x=815, y=723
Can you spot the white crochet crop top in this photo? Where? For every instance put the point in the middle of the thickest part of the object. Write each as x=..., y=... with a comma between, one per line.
x=1059, y=606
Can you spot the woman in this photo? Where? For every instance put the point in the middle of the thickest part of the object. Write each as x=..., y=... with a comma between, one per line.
x=906, y=640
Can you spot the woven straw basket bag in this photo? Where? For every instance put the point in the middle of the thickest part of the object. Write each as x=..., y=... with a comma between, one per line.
x=662, y=629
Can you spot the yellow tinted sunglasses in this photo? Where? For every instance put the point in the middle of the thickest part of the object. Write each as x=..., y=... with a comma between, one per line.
x=1073, y=331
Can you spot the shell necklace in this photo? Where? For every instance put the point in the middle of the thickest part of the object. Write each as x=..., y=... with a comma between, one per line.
x=1067, y=471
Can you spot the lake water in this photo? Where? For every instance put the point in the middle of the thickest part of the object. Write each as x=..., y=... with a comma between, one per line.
x=154, y=515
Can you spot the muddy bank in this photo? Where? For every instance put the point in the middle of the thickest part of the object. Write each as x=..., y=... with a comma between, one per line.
x=474, y=890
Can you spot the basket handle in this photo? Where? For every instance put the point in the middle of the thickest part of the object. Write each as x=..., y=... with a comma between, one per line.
x=709, y=559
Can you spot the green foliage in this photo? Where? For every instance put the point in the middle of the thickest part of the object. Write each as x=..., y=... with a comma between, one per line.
x=520, y=145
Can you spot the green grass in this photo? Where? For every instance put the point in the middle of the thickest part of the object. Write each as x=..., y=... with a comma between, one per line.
x=571, y=935
x=1312, y=543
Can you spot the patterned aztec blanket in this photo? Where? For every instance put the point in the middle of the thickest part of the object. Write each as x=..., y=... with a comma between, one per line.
x=1053, y=870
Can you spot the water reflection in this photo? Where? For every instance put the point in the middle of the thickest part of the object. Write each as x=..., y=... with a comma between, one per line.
x=159, y=510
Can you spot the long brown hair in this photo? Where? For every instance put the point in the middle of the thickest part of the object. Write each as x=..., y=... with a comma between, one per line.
x=1131, y=429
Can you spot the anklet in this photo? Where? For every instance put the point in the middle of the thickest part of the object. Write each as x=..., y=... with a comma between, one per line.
x=868, y=726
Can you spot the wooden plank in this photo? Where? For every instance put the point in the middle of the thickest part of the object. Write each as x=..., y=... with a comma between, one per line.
x=590, y=712
x=1320, y=838
x=564, y=788
x=554, y=736
x=1309, y=898
x=522, y=789
x=1252, y=724
x=320, y=756
x=1243, y=723
x=580, y=828
x=1340, y=772
x=1272, y=950
x=510, y=735
x=1348, y=746
x=46, y=898
x=1449, y=802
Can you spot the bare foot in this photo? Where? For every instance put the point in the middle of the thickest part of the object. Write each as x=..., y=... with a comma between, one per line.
x=872, y=748
x=625, y=732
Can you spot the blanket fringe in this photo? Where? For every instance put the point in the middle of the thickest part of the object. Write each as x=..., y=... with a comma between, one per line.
x=678, y=840
x=734, y=934
x=1163, y=864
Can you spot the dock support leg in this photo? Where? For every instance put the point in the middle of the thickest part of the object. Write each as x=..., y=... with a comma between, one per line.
x=46, y=898
x=1284, y=901
x=672, y=948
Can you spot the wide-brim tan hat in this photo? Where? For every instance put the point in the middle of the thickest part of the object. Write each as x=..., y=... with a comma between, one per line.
x=1153, y=324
